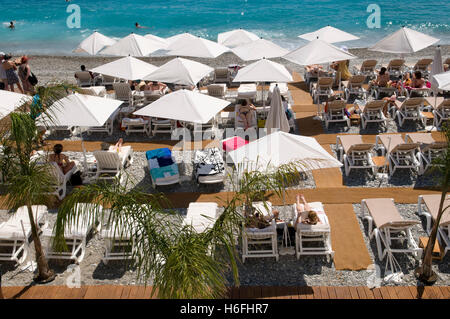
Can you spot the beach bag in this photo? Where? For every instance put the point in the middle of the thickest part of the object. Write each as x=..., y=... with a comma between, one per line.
x=261, y=123
x=33, y=79
x=75, y=179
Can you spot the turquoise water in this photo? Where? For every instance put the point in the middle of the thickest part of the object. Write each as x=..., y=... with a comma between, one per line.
x=41, y=25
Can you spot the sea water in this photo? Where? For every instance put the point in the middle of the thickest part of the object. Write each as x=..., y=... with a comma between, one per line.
x=42, y=26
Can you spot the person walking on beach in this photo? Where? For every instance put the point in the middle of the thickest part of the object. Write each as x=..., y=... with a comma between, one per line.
x=11, y=75
x=24, y=75
x=3, y=81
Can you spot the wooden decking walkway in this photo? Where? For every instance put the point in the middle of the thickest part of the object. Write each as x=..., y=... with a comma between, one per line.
x=259, y=292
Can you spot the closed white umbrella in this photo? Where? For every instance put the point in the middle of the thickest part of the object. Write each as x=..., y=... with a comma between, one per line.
x=279, y=148
x=80, y=110
x=443, y=81
x=329, y=34
x=134, y=45
x=263, y=71
x=318, y=52
x=94, y=43
x=193, y=46
x=180, y=71
x=236, y=38
x=404, y=41
x=277, y=116
x=259, y=49
x=437, y=67
x=9, y=101
x=186, y=106
x=127, y=68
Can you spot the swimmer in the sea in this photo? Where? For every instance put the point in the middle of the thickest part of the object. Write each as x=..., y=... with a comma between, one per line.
x=11, y=25
x=138, y=26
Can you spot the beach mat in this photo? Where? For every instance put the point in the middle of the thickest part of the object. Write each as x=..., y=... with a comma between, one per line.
x=346, y=238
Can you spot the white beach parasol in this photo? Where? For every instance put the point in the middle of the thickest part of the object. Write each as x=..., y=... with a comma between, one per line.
x=193, y=46
x=134, y=45
x=153, y=37
x=9, y=101
x=184, y=105
x=318, y=52
x=127, y=68
x=259, y=49
x=329, y=34
x=94, y=43
x=236, y=38
x=404, y=41
x=443, y=81
x=279, y=148
x=180, y=71
x=277, y=116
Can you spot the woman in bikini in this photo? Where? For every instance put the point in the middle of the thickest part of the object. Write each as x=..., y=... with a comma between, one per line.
x=305, y=214
x=62, y=160
x=245, y=112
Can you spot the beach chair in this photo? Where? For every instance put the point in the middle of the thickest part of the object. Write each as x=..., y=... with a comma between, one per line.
x=60, y=180
x=117, y=241
x=395, y=67
x=423, y=65
x=163, y=167
x=209, y=167
x=108, y=127
x=432, y=203
x=323, y=88
x=222, y=75
x=217, y=90
x=123, y=92
x=152, y=96
x=136, y=125
x=201, y=216
x=320, y=234
x=15, y=232
x=418, y=92
x=355, y=86
x=239, y=122
x=107, y=80
x=410, y=109
x=75, y=235
x=162, y=126
x=400, y=154
x=367, y=68
x=354, y=153
x=260, y=238
x=110, y=164
x=441, y=113
x=387, y=225
x=429, y=149
x=247, y=91
x=84, y=78
x=336, y=113
x=372, y=112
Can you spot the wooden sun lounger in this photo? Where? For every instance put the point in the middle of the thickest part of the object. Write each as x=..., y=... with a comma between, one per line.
x=387, y=225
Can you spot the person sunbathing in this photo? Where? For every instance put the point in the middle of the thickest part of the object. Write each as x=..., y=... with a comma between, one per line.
x=417, y=82
x=382, y=80
x=62, y=160
x=305, y=214
x=258, y=220
x=155, y=87
x=245, y=113
x=116, y=148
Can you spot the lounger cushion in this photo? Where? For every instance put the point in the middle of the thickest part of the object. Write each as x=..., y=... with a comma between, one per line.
x=385, y=213
x=165, y=161
x=158, y=153
x=348, y=141
x=233, y=143
x=163, y=172
x=390, y=141
x=208, y=162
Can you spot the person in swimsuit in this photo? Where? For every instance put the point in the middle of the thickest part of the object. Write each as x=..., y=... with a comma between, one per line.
x=305, y=214
x=245, y=112
x=62, y=160
x=11, y=75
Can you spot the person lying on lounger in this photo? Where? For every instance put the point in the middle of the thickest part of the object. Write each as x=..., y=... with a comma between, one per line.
x=258, y=220
x=304, y=213
x=116, y=148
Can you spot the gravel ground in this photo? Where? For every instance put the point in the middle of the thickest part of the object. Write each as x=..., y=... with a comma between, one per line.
x=401, y=178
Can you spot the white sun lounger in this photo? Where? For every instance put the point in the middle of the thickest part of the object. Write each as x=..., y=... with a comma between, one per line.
x=319, y=233
x=75, y=236
x=336, y=113
x=110, y=164
x=441, y=113
x=354, y=153
x=372, y=112
x=253, y=237
x=355, y=86
x=201, y=216
x=430, y=149
x=14, y=233
x=323, y=87
x=387, y=225
x=399, y=153
x=410, y=109
x=432, y=209
x=60, y=179
x=118, y=242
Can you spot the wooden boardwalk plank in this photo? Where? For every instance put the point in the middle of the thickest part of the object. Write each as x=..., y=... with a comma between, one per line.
x=353, y=293
x=317, y=293
x=361, y=292
x=377, y=293
x=324, y=292
x=332, y=293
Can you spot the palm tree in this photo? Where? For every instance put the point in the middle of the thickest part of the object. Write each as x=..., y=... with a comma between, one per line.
x=425, y=272
x=27, y=182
